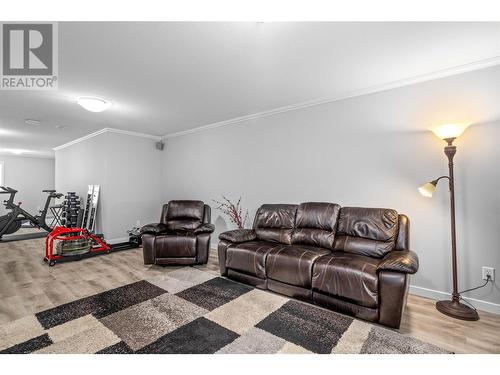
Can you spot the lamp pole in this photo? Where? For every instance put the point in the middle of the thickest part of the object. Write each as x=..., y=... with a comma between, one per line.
x=450, y=152
x=454, y=308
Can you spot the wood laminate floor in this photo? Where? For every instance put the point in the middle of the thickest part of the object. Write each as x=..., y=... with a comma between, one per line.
x=28, y=285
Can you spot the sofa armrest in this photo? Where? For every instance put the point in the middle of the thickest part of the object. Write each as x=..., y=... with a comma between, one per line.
x=405, y=261
x=204, y=228
x=238, y=235
x=154, y=228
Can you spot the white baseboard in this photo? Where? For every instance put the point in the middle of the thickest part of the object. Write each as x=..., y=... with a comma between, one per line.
x=112, y=241
x=438, y=295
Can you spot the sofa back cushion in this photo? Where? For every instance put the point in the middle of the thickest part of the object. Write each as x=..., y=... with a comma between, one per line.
x=367, y=231
x=183, y=215
x=275, y=222
x=315, y=224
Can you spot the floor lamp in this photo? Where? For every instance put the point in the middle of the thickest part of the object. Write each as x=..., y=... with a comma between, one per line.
x=453, y=307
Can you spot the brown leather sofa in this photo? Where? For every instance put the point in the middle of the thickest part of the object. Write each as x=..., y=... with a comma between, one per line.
x=353, y=260
x=182, y=237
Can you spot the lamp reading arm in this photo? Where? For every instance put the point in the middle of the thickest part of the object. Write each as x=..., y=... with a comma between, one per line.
x=428, y=188
x=435, y=182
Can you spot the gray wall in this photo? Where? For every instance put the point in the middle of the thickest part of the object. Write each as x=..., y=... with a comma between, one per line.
x=372, y=150
x=128, y=170
x=29, y=176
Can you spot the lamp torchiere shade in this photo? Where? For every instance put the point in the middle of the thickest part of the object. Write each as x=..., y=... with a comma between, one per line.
x=449, y=131
x=453, y=307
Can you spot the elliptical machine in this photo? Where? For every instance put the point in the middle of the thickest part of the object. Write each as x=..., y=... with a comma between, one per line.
x=12, y=221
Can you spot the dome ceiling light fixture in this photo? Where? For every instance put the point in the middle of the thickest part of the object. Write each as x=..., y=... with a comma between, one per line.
x=93, y=104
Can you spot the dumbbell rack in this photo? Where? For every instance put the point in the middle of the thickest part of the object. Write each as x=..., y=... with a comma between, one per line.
x=70, y=209
x=71, y=218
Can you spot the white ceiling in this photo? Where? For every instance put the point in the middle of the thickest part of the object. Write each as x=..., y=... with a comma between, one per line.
x=168, y=77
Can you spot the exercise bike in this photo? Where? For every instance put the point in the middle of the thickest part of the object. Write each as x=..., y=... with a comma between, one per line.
x=12, y=221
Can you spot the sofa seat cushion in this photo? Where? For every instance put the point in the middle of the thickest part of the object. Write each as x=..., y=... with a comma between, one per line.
x=347, y=276
x=175, y=245
x=250, y=257
x=292, y=264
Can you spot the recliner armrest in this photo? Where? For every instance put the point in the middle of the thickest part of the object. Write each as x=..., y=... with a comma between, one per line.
x=204, y=228
x=238, y=235
x=154, y=228
x=405, y=261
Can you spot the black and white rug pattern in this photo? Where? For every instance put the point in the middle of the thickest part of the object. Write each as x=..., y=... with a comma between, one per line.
x=192, y=311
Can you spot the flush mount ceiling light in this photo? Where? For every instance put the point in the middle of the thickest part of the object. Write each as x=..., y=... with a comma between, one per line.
x=17, y=151
x=93, y=104
x=32, y=122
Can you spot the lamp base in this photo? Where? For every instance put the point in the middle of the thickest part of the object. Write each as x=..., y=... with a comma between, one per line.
x=457, y=310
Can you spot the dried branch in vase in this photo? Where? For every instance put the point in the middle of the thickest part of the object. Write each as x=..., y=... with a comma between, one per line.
x=233, y=211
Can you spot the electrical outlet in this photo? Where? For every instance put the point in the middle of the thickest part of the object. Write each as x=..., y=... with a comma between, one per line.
x=138, y=223
x=488, y=271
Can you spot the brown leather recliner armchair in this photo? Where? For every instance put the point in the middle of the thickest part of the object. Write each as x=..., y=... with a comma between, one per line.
x=182, y=237
x=351, y=259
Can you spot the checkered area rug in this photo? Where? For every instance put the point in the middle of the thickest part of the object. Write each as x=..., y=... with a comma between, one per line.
x=192, y=311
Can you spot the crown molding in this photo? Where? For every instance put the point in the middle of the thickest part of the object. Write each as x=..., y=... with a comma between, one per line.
x=108, y=130
x=476, y=65
x=32, y=155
